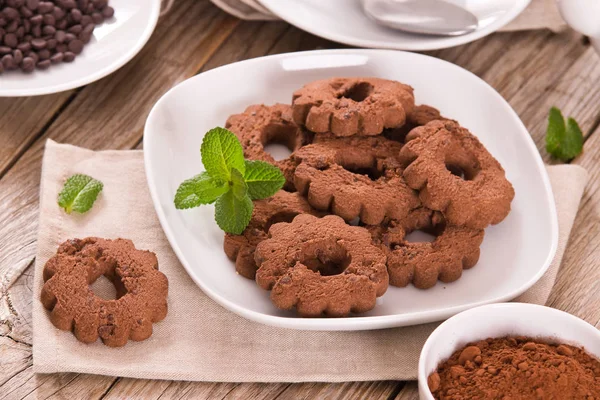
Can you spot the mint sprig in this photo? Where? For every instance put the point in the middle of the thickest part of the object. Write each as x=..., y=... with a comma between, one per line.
x=79, y=193
x=229, y=181
x=563, y=141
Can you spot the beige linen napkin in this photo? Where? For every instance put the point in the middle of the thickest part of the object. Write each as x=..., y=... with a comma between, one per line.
x=199, y=340
x=539, y=14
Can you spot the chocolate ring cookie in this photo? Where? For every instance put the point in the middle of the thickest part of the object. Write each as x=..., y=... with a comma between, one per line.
x=455, y=174
x=455, y=248
x=259, y=126
x=141, y=290
x=282, y=207
x=354, y=177
x=321, y=266
x=352, y=106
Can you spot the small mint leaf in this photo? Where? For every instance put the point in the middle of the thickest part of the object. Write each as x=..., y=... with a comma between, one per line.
x=238, y=186
x=79, y=193
x=573, y=144
x=201, y=189
x=563, y=142
x=221, y=150
x=556, y=131
x=263, y=179
x=233, y=214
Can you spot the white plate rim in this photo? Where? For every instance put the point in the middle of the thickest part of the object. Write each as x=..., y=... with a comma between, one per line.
x=445, y=42
x=349, y=323
x=93, y=77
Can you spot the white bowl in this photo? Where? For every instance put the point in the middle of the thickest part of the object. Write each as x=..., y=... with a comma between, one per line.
x=514, y=254
x=344, y=21
x=582, y=15
x=497, y=320
x=114, y=43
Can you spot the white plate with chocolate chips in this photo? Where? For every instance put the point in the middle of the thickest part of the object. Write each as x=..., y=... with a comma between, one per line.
x=50, y=47
x=422, y=186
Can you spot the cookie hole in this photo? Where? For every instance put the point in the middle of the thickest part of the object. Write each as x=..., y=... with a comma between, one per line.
x=105, y=288
x=419, y=236
x=358, y=92
x=278, y=151
x=464, y=172
x=371, y=173
x=281, y=140
x=327, y=260
x=280, y=217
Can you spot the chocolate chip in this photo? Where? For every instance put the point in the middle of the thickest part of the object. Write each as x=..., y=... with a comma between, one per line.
x=32, y=4
x=76, y=46
x=58, y=13
x=8, y=61
x=10, y=39
x=75, y=15
x=108, y=12
x=24, y=47
x=48, y=30
x=25, y=12
x=39, y=44
x=45, y=7
x=18, y=56
x=57, y=58
x=44, y=54
x=28, y=65
x=49, y=20
x=11, y=13
x=69, y=56
x=97, y=18
x=76, y=29
x=37, y=19
x=5, y=50
x=44, y=64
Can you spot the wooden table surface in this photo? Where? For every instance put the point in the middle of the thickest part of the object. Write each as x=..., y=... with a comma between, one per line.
x=532, y=70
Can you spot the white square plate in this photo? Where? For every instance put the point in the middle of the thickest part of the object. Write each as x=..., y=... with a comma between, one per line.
x=514, y=254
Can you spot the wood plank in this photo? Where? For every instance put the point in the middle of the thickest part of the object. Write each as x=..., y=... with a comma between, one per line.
x=409, y=392
x=126, y=388
x=196, y=390
x=577, y=288
x=80, y=387
x=256, y=391
x=22, y=120
x=347, y=390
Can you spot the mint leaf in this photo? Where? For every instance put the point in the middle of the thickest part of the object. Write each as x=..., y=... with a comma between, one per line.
x=233, y=214
x=221, y=150
x=563, y=142
x=79, y=193
x=263, y=179
x=238, y=186
x=201, y=189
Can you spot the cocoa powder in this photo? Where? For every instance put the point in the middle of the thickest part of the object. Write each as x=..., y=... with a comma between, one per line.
x=513, y=368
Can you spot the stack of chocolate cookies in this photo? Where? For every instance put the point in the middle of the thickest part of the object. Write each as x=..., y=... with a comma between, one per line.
x=367, y=168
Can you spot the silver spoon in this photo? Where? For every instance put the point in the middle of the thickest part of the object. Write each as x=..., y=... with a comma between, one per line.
x=430, y=17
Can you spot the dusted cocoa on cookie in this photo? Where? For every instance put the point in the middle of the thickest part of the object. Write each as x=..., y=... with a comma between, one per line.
x=321, y=266
x=422, y=263
x=261, y=125
x=282, y=207
x=354, y=177
x=352, y=106
x=455, y=174
x=141, y=290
